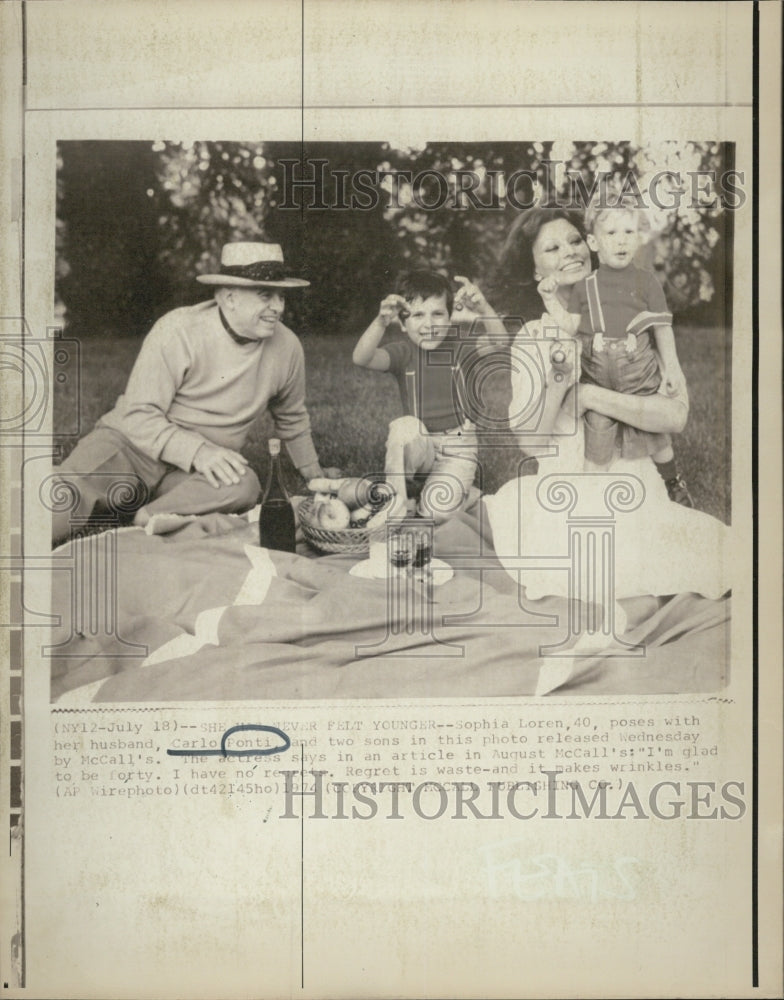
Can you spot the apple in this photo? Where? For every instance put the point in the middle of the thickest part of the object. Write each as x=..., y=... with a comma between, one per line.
x=353, y=493
x=323, y=484
x=361, y=516
x=332, y=515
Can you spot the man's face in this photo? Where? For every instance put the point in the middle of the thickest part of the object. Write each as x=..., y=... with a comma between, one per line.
x=616, y=238
x=253, y=312
x=427, y=322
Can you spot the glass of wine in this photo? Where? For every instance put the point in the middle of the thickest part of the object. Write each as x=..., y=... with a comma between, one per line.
x=423, y=552
x=401, y=550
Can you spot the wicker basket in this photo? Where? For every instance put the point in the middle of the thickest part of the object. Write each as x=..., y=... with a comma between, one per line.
x=347, y=540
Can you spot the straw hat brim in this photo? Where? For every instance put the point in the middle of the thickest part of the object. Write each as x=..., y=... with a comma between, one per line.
x=227, y=279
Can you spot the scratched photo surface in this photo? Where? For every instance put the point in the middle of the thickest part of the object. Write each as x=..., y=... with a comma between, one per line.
x=527, y=562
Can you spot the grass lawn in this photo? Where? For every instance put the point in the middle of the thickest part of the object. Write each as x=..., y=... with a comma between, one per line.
x=350, y=409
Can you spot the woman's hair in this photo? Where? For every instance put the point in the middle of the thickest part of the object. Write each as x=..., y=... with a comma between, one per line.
x=424, y=284
x=513, y=288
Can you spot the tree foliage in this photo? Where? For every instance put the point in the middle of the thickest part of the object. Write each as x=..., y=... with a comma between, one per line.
x=137, y=221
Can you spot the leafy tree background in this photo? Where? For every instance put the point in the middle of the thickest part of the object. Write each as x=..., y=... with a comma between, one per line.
x=138, y=220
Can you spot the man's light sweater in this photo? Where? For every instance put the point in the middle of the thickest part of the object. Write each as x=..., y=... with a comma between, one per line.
x=193, y=383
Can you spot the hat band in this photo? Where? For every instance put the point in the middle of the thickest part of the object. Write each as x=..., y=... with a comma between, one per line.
x=263, y=270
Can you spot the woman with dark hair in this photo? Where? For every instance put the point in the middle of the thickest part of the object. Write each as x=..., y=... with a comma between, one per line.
x=513, y=289
x=551, y=241
x=660, y=547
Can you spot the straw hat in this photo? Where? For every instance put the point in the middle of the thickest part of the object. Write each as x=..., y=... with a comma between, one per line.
x=252, y=265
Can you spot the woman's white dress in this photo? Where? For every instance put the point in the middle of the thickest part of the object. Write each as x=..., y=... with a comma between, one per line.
x=660, y=547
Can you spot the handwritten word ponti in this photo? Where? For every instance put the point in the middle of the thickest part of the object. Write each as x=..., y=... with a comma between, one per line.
x=253, y=751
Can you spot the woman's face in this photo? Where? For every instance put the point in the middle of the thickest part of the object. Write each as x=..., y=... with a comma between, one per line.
x=560, y=250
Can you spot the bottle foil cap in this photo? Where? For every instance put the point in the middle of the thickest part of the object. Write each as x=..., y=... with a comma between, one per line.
x=274, y=446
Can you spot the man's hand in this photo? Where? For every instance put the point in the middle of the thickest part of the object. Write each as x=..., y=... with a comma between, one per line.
x=314, y=471
x=219, y=466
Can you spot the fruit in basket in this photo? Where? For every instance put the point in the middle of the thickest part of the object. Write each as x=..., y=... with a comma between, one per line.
x=361, y=516
x=380, y=494
x=354, y=492
x=332, y=515
x=322, y=484
x=369, y=491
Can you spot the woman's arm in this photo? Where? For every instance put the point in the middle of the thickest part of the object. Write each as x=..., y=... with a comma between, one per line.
x=658, y=414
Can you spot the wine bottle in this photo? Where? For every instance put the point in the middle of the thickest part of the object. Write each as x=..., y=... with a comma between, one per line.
x=276, y=518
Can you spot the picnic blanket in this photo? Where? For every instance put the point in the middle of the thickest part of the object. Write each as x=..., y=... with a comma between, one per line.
x=207, y=614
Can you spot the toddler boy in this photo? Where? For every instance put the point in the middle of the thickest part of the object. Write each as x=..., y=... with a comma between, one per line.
x=613, y=312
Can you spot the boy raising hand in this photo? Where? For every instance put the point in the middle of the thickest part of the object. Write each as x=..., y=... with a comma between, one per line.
x=435, y=439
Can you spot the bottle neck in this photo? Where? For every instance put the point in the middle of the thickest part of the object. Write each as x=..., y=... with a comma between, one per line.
x=275, y=489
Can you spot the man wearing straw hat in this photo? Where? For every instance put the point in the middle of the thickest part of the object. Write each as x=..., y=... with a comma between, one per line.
x=203, y=375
